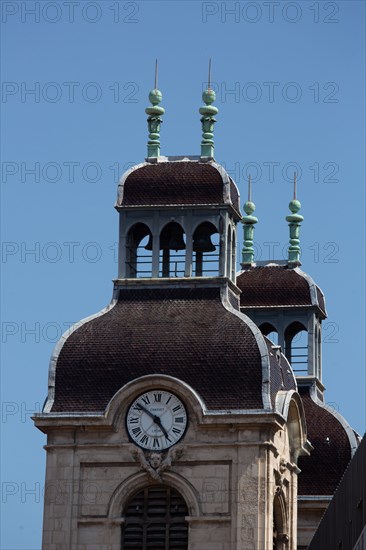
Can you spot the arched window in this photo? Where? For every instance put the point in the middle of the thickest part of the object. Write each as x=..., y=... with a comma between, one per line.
x=154, y=519
x=172, y=247
x=296, y=347
x=319, y=353
x=228, y=253
x=139, y=251
x=233, y=258
x=206, y=250
x=270, y=331
x=280, y=537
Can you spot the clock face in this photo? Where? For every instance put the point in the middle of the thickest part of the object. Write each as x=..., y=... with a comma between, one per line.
x=156, y=420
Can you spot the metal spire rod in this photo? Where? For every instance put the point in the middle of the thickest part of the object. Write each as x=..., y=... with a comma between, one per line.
x=208, y=112
x=156, y=75
x=294, y=221
x=249, y=222
x=154, y=119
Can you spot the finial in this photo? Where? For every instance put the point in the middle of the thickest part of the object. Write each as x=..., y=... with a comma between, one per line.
x=294, y=220
x=208, y=120
x=248, y=221
x=154, y=119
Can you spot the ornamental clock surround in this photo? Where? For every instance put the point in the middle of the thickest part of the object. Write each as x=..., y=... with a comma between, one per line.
x=156, y=420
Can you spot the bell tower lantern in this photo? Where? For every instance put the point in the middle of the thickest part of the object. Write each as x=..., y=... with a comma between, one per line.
x=178, y=215
x=284, y=301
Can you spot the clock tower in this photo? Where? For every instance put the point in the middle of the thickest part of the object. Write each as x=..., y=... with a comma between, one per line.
x=172, y=421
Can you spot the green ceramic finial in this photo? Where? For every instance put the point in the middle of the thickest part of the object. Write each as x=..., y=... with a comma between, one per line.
x=208, y=120
x=154, y=119
x=294, y=220
x=248, y=221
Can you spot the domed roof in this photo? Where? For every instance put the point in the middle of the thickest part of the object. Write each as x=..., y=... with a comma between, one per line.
x=274, y=285
x=190, y=333
x=173, y=182
x=334, y=443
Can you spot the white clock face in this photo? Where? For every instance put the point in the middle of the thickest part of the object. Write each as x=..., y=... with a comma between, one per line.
x=156, y=420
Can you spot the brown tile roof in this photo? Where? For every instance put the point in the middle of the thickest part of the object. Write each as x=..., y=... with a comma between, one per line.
x=276, y=285
x=176, y=183
x=322, y=470
x=185, y=333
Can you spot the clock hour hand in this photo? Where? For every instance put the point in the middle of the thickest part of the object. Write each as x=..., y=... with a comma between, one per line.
x=155, y=418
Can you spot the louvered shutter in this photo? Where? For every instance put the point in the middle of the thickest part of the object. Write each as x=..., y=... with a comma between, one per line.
x=155, y=520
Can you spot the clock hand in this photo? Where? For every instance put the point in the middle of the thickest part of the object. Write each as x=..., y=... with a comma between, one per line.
x=158, y=422
x=142, y=408
x=155, y=418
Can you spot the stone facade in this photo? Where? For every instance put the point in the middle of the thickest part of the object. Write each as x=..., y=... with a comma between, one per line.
x=235, y=472
x=310, y=512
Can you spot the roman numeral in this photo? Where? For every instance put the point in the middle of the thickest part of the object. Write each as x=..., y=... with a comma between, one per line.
x=136, y=431
x=157, y=397
x=133, y=420
x=179, y=419
x=144, y=439
x=175, y=409
x=156, y=443
x=176, y=431
x=146, y=399
x=168, y=400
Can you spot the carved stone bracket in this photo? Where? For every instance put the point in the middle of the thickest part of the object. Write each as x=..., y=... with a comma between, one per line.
x=155, y=463
x=279, y=474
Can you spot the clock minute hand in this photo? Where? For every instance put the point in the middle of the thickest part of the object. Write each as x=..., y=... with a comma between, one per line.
x=155, y=418
x=158, y=422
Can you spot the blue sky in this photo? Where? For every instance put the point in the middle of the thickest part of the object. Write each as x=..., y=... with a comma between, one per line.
x=290, y=85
